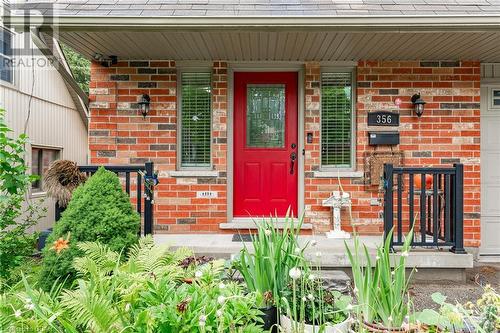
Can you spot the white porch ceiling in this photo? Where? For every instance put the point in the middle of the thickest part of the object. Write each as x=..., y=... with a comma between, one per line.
x=237, y=45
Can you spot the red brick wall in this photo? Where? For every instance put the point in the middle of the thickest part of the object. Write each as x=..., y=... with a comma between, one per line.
x=118, y=134
x=447, y=133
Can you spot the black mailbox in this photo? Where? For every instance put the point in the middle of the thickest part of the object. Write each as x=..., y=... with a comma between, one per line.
x=383, y=138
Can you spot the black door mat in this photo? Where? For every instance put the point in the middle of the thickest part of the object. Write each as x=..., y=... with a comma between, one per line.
x=242, y=238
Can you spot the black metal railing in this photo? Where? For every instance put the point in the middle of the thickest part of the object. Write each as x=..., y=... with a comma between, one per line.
x=144, y=194
x=434, y=208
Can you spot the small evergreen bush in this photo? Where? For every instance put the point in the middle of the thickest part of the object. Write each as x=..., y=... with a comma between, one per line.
x=99, y=211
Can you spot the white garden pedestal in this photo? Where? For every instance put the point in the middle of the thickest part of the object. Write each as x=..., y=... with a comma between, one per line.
x=337, y=201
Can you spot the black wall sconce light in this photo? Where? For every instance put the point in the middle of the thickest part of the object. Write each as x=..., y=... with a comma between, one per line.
x=418, y=104
x=144, y=104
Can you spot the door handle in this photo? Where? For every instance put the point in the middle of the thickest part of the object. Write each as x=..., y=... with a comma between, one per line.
x=293, y=157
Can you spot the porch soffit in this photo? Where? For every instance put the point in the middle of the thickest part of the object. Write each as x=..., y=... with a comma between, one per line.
x=272, y=45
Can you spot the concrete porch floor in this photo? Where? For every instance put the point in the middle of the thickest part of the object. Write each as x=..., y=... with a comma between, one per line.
x=432, y=264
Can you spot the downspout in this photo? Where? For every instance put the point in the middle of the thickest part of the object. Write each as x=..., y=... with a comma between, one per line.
x=63, y=69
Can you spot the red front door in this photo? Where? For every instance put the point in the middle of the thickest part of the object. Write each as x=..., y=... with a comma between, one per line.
x=265, y=143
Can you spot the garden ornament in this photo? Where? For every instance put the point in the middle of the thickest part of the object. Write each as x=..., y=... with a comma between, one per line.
x=61, y=179
x=337, y=201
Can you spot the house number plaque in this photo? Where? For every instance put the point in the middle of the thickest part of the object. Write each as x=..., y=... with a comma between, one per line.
x=206, y=194
x=383, y=118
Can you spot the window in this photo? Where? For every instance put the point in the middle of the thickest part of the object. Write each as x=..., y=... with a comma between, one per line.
x=337, y=120
x=41, y=158
x=196, y=119
x=266, y=116
x=6, y=72
x=494, y=97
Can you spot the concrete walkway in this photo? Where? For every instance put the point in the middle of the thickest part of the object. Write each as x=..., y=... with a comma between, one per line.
x=332, y=251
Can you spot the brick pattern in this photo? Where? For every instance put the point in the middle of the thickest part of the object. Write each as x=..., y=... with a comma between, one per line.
x=118, y=134
x=448, y=132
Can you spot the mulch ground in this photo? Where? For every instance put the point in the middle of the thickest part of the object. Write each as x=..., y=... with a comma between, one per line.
x=477, y=278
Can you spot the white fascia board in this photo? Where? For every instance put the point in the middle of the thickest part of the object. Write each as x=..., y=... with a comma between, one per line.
x=351, y=23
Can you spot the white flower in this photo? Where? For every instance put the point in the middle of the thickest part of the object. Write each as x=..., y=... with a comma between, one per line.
x=377, y=258
x=127, y=307
x=218, y=313
x=27, y=300
x=198, y=274
x=29, y=306
x=389, y=318
x=222, y=285
x=318, y=254
x=221, y=299
x=405, y=254
x=267, y=232
x=310, y=297
x=295, y=273
x=304, y=299
x=202, y=320
x=17, y=313
x=393, y=273
x=349, y=307
x=312, y=277
x=314, y=242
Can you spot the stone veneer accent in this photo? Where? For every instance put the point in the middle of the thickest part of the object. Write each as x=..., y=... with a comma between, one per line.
x=448, y=132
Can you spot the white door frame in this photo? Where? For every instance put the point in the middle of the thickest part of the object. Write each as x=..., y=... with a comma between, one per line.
x=486, y=85
x=263, y=67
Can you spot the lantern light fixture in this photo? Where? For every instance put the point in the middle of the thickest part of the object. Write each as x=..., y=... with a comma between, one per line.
x=144, y=104
x=418, y=104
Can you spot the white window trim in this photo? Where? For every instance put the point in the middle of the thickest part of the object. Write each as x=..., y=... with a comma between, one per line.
x=13, y=35
x=41, y=193
x=190, y=67
x=491, y=106
x=328, y=168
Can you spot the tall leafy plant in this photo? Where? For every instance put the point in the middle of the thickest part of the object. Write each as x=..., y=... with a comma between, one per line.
x=274, y=252
x=15, y=217
x=381, y=288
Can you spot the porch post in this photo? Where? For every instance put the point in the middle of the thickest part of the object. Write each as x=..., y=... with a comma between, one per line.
x=458, y=209
x=148, y=200
x=388, y=200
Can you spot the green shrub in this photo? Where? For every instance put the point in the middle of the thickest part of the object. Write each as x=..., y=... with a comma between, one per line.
x=16, y=214
x=99, y=211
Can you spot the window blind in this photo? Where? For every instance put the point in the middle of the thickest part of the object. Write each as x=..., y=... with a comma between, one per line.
x=336, y=120
x=196, y=111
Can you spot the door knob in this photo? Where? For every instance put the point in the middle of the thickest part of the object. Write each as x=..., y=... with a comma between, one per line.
x=293, y=157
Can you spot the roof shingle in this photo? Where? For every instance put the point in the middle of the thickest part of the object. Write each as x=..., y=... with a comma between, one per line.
x=216, y=8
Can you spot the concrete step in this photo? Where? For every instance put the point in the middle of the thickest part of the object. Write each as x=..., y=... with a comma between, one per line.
x=330, y=254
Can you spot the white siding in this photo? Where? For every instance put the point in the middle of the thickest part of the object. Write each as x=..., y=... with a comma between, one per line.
x=490, y=71
x=490, y=158
x=53, y=121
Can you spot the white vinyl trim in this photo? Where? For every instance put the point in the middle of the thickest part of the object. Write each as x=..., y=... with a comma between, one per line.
x=353, y=23
x=264, y=67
